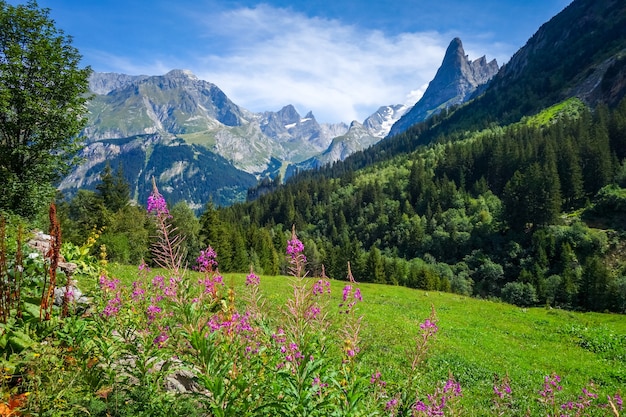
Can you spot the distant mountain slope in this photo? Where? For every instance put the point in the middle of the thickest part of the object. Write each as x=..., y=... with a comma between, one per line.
x=580, y=52
x=358, y=136
x=455, y=81
x=183, y=171
x=131, y=117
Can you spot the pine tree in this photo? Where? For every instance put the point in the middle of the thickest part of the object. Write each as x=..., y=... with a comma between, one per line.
x=113, y=189
x=375, y=266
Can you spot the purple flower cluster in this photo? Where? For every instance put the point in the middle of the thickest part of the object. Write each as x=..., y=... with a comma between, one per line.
x=617, y=401
x=235, y=324
x=292, y=354
x=138, y=291
x=113, y=306
x=143, y=267
x=296, y=258
x=317, y=383
x=550, y=384
x=320, y=287
x=160, y=340
x=107, y=284
x=376, y=379
x=111, y=287
x=439, y=400
x=502, y=391
x=349, y=299
x=152, y=311
x=313, y=312
x=157, y=204
x=211, y=283
x=207, y=261
x=429, y=325
x=428, y=331
x=391, y=405
x=294, y=247
x=252, y=279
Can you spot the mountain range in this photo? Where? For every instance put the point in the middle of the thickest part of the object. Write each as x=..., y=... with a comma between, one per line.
x=201, y=146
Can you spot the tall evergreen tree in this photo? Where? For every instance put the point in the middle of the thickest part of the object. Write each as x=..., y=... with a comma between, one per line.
x=375, y=266
x=113, y=189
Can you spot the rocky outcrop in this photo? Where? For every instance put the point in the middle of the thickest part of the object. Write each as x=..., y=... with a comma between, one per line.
x=105, y=82
x=41, y=243
x=456, y=80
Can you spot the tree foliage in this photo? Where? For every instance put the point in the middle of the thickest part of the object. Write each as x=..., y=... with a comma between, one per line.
x=42, y=105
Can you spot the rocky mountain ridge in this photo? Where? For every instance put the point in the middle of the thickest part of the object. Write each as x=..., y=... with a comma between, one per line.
x=456, y=80
x=160, y=125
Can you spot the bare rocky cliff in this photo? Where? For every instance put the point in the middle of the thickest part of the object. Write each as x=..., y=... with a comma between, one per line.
x=456, y=80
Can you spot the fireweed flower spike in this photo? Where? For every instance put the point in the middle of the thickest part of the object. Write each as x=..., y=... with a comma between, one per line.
x=428, y=331
x=252, y=279
x=295, y=252
x=550, y=384
x=207, y=261
x=441, y=399
x=352, y=324
x=502, y=398
x=156, y=202
x=167, y=250
x=616, y=403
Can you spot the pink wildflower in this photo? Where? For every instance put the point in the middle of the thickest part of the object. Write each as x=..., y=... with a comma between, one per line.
x=160, y=340
x=294, y=247
x=157, y=204
x=252, y=279
x=207, y=261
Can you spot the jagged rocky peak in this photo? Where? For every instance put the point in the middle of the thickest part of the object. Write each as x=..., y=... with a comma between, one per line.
x=288, y=114
x=457, y=72
x=181, y=73
x=456, y=80
x=105, y=82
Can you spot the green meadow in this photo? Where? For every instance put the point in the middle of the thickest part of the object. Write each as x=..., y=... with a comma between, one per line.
x=477, y=341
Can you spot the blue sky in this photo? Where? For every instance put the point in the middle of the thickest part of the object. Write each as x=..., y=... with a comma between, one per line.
x=342, y=59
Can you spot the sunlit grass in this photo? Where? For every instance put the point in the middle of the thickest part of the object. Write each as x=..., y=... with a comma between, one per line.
x=477, y=339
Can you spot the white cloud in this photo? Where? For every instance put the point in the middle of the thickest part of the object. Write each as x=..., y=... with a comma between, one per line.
x=264, y=58
x=277, y=57
x=108, y=62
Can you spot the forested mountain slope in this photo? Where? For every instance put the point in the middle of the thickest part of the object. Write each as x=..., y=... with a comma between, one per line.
x=517, y=194
x=487, y=215
x=581, y=52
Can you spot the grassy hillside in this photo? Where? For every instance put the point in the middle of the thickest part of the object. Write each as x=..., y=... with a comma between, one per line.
x=477, y=340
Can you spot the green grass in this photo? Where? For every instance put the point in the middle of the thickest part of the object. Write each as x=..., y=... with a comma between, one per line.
x=205, y=138
x=476, y=339
x=571, y=107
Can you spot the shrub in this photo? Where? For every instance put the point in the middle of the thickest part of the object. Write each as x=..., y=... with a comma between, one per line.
x=522, y=294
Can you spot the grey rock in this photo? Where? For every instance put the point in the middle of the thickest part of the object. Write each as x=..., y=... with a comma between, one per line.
x=456, y=80
x=76, y=296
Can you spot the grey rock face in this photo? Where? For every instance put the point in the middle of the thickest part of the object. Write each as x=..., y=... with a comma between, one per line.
x=455, y=81
x=105, y=82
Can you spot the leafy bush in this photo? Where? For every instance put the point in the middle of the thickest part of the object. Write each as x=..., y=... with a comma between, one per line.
x=522, y=294
x=610, y=199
